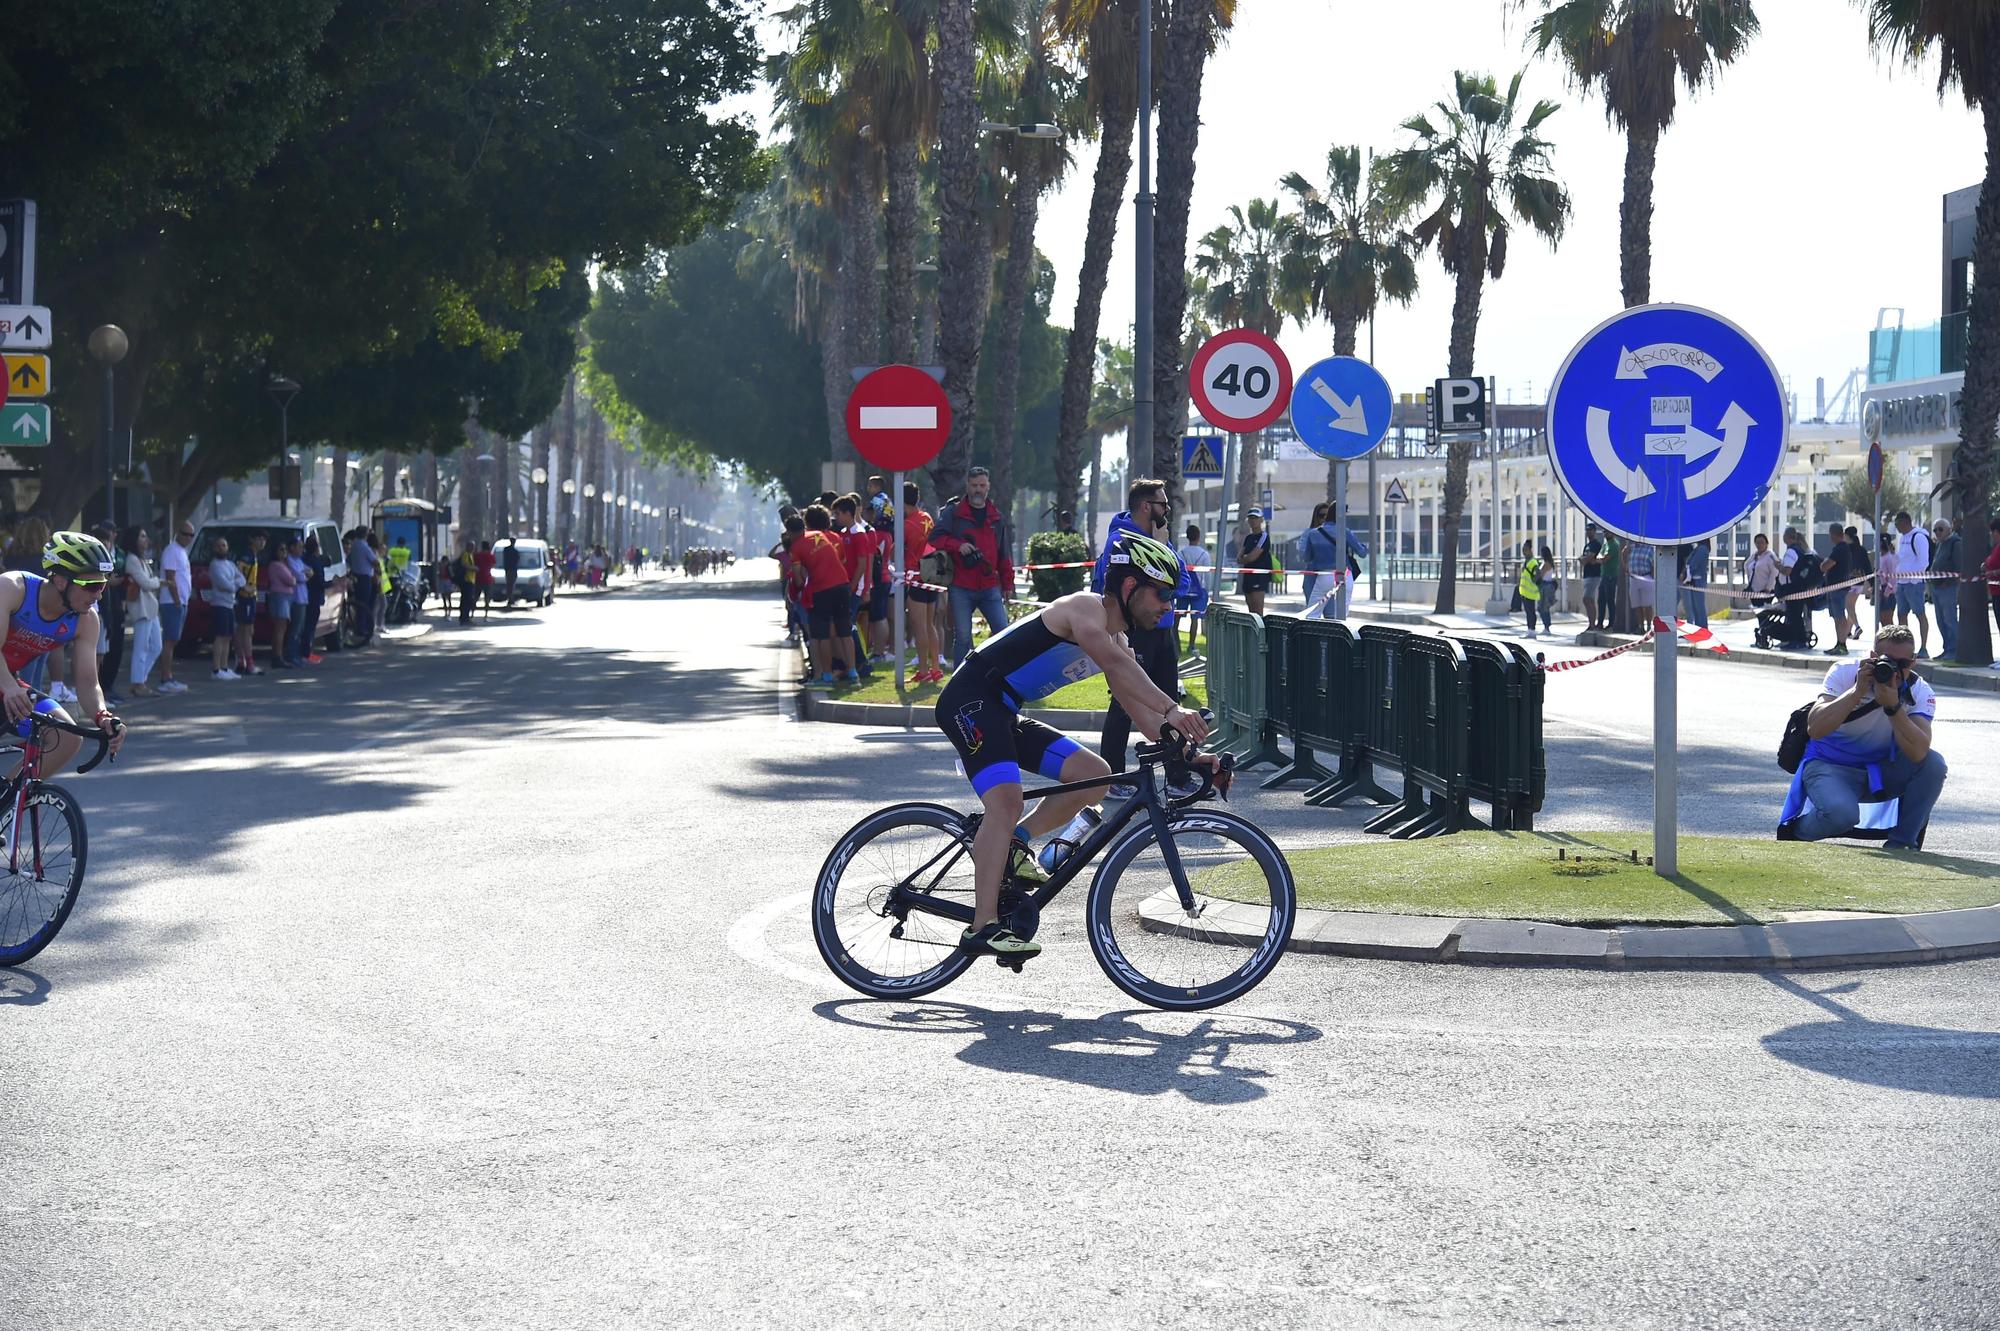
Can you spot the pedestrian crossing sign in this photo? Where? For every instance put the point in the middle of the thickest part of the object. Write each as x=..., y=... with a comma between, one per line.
x=1397, y=494
x=1201, y=458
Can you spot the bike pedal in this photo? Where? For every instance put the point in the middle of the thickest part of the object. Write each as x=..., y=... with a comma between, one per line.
x=1012, y=965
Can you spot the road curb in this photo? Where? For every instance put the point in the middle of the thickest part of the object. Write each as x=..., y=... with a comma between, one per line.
x=1871, y=940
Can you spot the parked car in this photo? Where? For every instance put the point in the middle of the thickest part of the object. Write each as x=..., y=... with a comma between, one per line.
x=237, y=532
x=536, y=581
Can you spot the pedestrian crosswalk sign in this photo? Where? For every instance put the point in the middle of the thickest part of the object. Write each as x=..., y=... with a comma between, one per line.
x=1201, y=458
x=1397, y=494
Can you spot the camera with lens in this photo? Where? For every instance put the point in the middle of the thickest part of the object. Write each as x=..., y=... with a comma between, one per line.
x=1886, y=671
x=975, y=559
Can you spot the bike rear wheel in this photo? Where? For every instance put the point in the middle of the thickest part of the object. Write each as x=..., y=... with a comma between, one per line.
x=41, y=871
x=867, y=912
x=1163, y=954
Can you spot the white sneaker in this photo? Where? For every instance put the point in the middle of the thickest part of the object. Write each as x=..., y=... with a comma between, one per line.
x=62, y=692
x=172, y=686
x=226, y=674
x=1532, y=633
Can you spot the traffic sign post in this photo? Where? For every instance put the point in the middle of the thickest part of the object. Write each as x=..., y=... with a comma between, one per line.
x=1340, y=410
x=898, y=417
x=1240, y=381
x=1666, y=424
x=24, y=327
x=1875, y=483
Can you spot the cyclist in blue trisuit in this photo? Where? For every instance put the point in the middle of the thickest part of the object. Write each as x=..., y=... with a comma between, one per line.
x=40, y=614
x=1072, y=638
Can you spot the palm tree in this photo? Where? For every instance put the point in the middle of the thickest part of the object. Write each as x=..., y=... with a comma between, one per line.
x=1242, y=263
x=1103, y=32
x=1637, y=53
x=1478, y=174
x=1039, y=94
x=1346, y=254
x=961, y=283
x=1965, y=38
x=1193, y=29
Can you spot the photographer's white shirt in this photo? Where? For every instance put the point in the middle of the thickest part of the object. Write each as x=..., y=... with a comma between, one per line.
x=1870, y=738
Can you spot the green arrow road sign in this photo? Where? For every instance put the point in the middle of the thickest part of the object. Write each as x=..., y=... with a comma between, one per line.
x=24, y=425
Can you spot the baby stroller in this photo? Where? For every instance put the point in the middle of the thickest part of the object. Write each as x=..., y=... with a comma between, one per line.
x=1786, y=625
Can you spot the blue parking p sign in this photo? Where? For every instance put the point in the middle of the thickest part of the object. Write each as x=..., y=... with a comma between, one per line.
x=1667, y=424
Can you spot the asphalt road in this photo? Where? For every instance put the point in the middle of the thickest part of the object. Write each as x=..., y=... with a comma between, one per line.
x=468, y=983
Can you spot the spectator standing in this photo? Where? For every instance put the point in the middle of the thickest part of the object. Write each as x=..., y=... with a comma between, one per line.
x=1528, y=589
x=1611, y=581
x=1836, y=567
x=1992, y=570
x=466, y=575
x=144, y=612
x=510, y=568
x=1863, y=566
x=250, y=563
x=361, y=573
x=1694, y=596
x=820, y=558
x=301, y=635
x=1761, y=573
x=281, y=587
x=111, y=608
x=1253, y=554
x=314, y=559
x=1887, y=580
x=1943, y=587
x=225, y=580
x=1913, y=554
x=1319, y=552
x=176, y=588
x=485, y=562
x=976, y=536
x=1148, y=512
x=857, y=544
x=1191, y=598
x=917, y=527
x=1592, y=563
x=1639, y=584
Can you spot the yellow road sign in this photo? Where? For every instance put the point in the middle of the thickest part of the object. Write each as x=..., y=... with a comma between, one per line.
x=27, y=374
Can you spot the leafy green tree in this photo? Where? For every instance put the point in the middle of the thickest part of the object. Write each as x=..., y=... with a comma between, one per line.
x=1857, y=496
x=714, y=363
x=1638, y=54
x=1477, y=174
x=1965, y=40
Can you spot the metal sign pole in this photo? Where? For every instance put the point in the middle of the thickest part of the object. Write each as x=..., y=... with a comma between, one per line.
x=1375, y=525
x=1222, y=517
x=1666, y=750
x=1493, y=476
x=896, y=634
x=1340, y=542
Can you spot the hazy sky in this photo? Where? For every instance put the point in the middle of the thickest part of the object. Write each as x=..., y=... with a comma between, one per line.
x=1796, y=197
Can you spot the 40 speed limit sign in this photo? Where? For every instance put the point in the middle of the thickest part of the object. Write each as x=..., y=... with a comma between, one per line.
x=1240, y=381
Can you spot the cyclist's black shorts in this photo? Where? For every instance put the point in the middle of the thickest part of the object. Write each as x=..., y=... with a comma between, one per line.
x=993, y=740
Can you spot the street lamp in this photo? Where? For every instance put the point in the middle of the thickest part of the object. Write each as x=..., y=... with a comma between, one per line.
x=108, y=344
x=540, y=476
x=283, y=390
x=569, y=507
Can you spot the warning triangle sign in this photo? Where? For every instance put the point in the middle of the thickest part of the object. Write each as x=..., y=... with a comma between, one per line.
x=1202, y=459
x=1397, y=494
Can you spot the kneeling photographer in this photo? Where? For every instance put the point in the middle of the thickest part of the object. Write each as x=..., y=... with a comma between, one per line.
x=1868, y=739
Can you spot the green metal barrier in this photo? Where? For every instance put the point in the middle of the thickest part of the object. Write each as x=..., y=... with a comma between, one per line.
x=1431, y=705
x=1289, y=692
x=1237, y=698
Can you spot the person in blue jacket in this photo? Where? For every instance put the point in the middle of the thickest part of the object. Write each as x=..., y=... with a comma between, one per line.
x=1148, y=513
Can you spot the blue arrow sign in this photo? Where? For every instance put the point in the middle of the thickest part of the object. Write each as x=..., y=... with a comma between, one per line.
x=1340, y=407
x=1667, y=424
x=1201, y=457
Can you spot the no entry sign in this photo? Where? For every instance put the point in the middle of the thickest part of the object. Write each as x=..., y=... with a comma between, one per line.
x=898, y=418
x=1240, y=381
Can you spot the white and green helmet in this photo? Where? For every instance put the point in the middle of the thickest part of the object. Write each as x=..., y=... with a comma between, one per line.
x=1153, y=560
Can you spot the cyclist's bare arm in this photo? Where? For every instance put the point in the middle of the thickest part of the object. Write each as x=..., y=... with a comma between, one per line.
x=1080, y=618
x=89, y=694
x=13, y=591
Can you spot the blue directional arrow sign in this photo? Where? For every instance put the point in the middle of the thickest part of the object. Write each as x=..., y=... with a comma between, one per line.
x=1667, y=424
x=1340, y=407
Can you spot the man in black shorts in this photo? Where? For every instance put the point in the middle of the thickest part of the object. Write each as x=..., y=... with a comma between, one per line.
x=1255, y=552
x=1072, y=638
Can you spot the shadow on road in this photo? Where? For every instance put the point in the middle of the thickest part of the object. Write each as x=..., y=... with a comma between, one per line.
x=1115, y=1052
x=22, y=987
x=1930, y=1060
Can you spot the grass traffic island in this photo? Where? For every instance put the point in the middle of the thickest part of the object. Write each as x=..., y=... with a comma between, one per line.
x=1594, y=879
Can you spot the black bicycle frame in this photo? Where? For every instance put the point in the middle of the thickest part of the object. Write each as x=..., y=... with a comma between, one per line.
x=906, y=896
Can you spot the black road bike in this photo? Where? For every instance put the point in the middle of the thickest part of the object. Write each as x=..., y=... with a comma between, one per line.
x=1191, y=906
x=42, y=845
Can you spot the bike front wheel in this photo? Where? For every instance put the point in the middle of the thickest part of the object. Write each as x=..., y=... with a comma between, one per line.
x=1170, y=953
x=887, y=907
x=41, y=870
